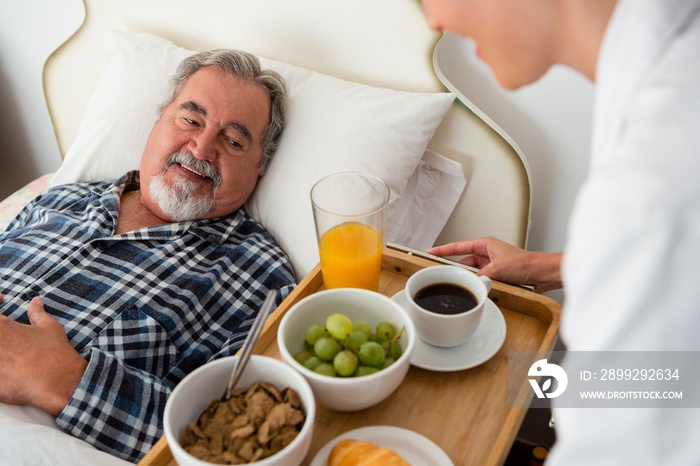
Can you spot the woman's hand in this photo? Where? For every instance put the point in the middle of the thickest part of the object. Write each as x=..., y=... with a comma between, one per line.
x=504, y=262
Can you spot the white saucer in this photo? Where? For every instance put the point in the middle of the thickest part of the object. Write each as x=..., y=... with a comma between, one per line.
x=411, y=446
x=486, y=341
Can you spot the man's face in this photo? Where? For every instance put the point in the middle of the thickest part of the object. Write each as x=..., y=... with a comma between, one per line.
x=212, y=129
x=513, y=37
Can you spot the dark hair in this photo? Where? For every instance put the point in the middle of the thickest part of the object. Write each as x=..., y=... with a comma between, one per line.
x=247, y=67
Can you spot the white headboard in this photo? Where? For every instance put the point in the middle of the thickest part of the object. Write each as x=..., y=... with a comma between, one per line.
x=384, y=43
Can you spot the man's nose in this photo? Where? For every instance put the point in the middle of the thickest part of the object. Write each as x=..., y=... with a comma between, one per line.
x=203, y=145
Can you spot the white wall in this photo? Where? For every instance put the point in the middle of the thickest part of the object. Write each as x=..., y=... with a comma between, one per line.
x=29, y=31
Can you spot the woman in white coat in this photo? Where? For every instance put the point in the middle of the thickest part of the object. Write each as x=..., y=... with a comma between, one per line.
x=631, y=266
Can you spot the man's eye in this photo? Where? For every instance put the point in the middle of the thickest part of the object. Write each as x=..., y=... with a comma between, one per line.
x=233, y=143
x=190, y=121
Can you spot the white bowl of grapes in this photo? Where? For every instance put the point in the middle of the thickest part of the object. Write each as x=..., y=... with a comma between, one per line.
x=353, y=346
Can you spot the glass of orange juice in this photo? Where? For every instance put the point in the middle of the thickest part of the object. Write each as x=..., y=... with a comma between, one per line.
x=349, y=213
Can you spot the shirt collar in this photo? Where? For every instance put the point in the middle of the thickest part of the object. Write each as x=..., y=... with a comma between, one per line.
x=214, y=230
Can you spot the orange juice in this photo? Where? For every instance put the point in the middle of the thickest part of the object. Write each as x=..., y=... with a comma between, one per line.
x=351, y=256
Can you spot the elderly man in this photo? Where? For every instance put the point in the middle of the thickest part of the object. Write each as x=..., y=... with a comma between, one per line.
x=114, y=291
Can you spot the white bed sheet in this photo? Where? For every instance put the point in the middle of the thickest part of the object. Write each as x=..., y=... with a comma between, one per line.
x=30, y=437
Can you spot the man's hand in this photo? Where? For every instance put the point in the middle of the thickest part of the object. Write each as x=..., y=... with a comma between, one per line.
x=38, y=365
x=504, y=262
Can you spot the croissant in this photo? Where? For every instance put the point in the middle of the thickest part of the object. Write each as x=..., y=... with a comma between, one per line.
x=361, y=453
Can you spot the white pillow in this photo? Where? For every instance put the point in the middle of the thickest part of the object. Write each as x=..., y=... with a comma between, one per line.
x=332, y=126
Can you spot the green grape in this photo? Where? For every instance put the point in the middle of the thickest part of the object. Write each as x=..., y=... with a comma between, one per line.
x=326, y=348
x=325, y=368
x=362, y=326
x=338, y=325
x=385, y=330
x=302, y=356
x=345, y=363
x=315, y=332
x=355, y=339
x=386, y=345
x=371, y=354
x=395, y=350
x=349, y=349
x=365, y=370
x=388, y=361
x=312, y=362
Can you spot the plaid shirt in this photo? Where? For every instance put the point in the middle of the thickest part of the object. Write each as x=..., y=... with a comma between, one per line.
x=145, y=308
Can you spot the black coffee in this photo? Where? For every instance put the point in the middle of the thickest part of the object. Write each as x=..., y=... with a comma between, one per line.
x=445, y=298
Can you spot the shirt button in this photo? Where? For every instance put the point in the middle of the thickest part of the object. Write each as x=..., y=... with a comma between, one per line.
x=99, y=245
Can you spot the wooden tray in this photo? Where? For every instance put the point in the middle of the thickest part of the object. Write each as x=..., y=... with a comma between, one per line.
x=466, y=413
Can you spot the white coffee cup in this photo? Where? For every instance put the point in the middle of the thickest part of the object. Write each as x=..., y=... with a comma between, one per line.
x=446, y=330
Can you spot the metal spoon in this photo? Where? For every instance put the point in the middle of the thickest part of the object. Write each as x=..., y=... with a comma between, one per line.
x=249, y=343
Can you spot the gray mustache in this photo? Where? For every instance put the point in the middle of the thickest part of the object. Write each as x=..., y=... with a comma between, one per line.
x=186, y=158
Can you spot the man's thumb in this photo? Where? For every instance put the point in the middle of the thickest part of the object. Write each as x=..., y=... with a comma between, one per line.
x=35, y=311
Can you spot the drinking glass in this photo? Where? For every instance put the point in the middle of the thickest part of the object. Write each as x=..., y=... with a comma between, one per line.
x=349, y=213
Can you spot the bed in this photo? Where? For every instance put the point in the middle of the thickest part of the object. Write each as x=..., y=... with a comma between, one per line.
x=367, y=93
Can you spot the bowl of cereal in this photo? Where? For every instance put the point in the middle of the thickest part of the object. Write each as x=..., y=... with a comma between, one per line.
x=268, y=420
x=353, y=346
